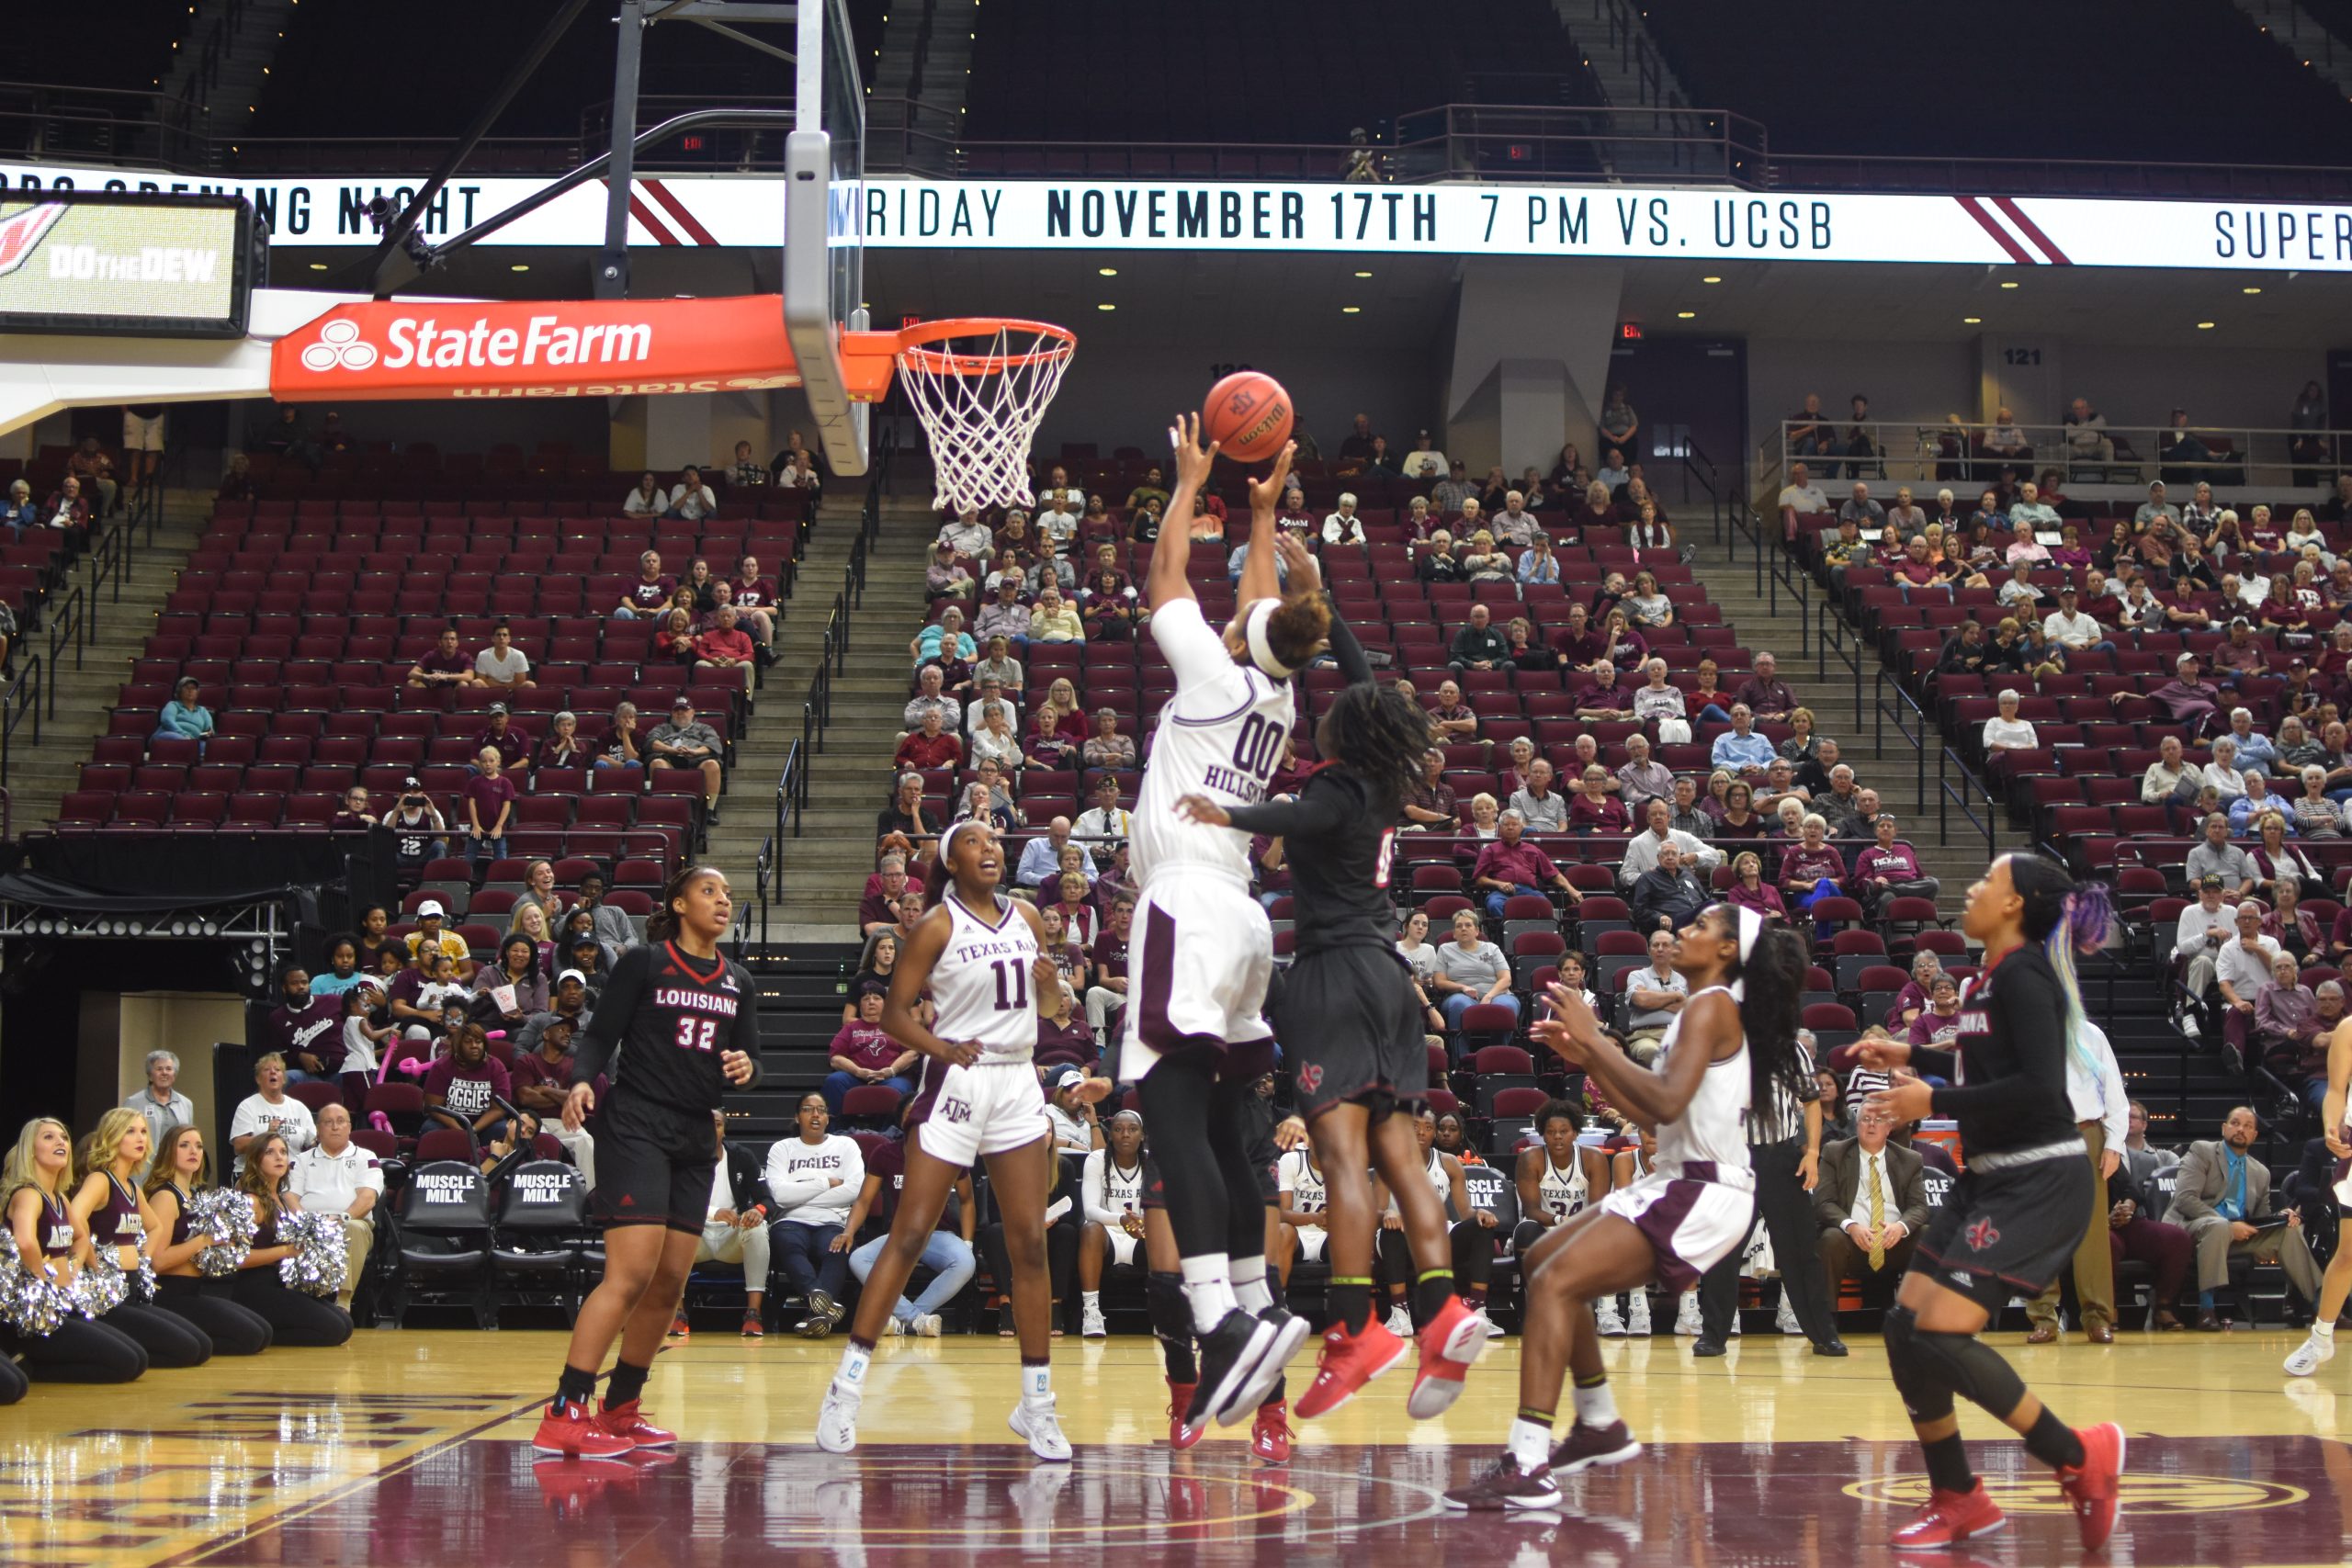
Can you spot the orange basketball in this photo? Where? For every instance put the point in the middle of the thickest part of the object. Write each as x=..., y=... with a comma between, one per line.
x=1248, y=414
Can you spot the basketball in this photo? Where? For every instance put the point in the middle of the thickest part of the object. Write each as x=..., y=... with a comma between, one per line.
x=1248, y=415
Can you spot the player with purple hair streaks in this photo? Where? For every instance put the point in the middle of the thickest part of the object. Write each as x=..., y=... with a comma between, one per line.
x=2013, y=1220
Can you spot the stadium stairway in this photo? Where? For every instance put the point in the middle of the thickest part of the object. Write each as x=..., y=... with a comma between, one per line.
x=40, y=776
x=824, y=869
x=1894, y=770
x=800, y=1009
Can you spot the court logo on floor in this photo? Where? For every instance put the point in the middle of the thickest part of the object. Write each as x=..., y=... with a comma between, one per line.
x=2141, y=1495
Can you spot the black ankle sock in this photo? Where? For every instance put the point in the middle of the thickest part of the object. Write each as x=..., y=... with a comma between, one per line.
x=1948, y=1464
x=1430, y=1292
x=575, y=1387
x=626, y=1384
x=2053, y=1442
x=1351, y=1303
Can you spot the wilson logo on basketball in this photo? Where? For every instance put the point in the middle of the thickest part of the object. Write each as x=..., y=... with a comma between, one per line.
x=1255, y=417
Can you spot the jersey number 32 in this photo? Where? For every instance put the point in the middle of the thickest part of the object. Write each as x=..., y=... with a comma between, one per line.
x=696, y=1033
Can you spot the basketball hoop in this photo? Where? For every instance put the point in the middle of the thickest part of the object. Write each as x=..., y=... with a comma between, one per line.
x=981, y=385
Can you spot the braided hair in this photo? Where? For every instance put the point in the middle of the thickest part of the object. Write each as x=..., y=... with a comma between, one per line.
x=1378, y=734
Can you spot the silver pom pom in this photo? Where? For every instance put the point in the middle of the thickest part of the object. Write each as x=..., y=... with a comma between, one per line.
x=100, y=1287
x=319, y=1262
x=227, y=1214
x=143, y=1284
x=30, y=1302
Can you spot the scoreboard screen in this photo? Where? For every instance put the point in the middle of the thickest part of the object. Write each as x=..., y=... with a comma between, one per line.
x=126, y=264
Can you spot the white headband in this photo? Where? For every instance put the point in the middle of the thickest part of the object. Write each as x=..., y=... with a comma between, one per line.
x=1751, y=925
x=1253, y=632
x=948, y=841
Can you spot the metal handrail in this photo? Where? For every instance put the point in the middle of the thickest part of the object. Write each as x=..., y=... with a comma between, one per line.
x=1844, y=642
x=1918, y=446
x=69, y=621
x=1776, y=571
x=23, y=697
x=1951, y=795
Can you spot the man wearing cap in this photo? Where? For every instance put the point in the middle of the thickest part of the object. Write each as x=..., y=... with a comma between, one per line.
x=2188, y=702
x=945, y=577
x=686, y=742
x=514, y=747
x=429, y=936
x=542, y=1077
x=1077, y=1128
x=2240, y=655
x=2071, y=628
x=1424, y=461
x=1105, y=820
x=1448, y=495
x=2155, y=507
x=2205, y=927
x=567, y=1003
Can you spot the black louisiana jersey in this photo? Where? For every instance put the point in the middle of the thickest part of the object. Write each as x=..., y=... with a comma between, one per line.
x=670, y=1014
x=1337, y=835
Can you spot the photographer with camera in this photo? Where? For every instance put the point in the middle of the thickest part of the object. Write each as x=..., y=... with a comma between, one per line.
x=418, y=832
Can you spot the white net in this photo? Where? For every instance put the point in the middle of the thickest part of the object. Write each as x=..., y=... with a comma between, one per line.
x=979, y=396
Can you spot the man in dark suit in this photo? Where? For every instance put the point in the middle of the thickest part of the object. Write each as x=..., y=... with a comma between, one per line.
x=1871, y=1203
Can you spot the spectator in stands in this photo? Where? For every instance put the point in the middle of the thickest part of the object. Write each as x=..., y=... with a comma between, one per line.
x=1514, y=524
x=877, y=909
x=1596, y=517
x=2085, y=434
x=1861, y=509
x=1478, y=645
x=2172, y=778
x=1683, y=812
x=648, y=500
x=1591, y=807
x=1106, y=995
x=1471, y=970
x=1642, y=851
x=814, y=1178
x=1057, y=726
x=2204, y=930
x=1484, y=561
x=1054, y=619
x=864, y=1053
x=1539, y=808
x=1109, y=606
x=1766, y=695
x=69, y=512
x=1105, y=820
x=2291, y=926
x=726, y=647
x=995, y=743
x=2316, y=817
x=1749, y=890
x=1433, y=805
x=802, y=475
x=1075, y=908
x=2220, y=1191
x=690, y=500
x=489, y=796
x=648, y=596
x=2277, y=863
x=1005, y=619
x=686, y=742
x=1654, y=999
x=1799, y=496
x=336, y=1176
x=944, y=641
x=999, y=665
x=1810, y=869
x=930, y=697
x=2216, y=853
x=1667, y=896
x=2249, y=800
x=1452, y=720
x=2006, y=731
x=675, y=643
x=1888, y=869
x=505, y=994
x=2242, y=969
x=623, y=747
x=1510, y=864
x=2073, y=628
x=2032, y=513
x=2190, y=702
x=1106, y=747
x=269, y=1111
x=500, y=666
x=20, y=513
x=614, y=934
x=1537, y=563
x=445, y=666
x=1642, y=778
x=1872, y=1202
x=1646, y=606
x=1041, y=858
x=946, y=577
x=184, y=717
x=1740, y=747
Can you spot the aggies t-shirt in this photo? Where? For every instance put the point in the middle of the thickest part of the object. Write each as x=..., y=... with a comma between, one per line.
x=652, y=595
x=469, y=1091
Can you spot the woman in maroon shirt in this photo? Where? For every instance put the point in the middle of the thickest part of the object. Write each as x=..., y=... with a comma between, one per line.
x=1593, y=810
x=755, y=597
x=1811, y=869
x=1740, y=819
x=1748, y=888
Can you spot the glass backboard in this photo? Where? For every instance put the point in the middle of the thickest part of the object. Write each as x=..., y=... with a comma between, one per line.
x=823, y=230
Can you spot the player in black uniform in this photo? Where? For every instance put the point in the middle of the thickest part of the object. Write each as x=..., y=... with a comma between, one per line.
x=686, y=1021
x=2015, y=1217
x=1347, y=1017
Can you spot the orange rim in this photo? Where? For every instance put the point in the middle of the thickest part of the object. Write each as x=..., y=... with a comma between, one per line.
x=1056, y=343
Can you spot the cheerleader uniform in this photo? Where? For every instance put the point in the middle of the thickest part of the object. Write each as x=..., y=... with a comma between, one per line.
x=76, y=1350
x=294, y=1318
x=204, y=1303
x=169, y=1340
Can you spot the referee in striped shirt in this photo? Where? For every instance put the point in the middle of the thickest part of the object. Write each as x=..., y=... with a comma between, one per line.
x=1785, y=1146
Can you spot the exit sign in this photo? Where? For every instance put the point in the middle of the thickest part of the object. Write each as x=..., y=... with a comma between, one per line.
x=1629, y=330
x=690, y=143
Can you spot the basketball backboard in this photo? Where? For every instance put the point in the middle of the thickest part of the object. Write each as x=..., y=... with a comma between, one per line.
x=824, y=275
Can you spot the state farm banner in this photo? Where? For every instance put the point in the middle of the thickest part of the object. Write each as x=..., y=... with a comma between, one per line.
x=435, y=348
x=1707, y=224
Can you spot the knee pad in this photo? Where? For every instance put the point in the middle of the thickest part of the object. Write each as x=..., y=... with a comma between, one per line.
x=1172, y=1315
x=1925, y=1396
x=1968, y=1367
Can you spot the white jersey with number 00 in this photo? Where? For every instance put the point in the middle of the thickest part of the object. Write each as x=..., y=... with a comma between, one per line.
x=1221, y=735
x=981, y=983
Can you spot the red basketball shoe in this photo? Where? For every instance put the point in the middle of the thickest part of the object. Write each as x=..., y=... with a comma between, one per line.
x=625, y=1422
x=1349, y=1361
x=2091, y=1485
x=1950, y=1517
x=1270, y=1435
x=1180, y=1434
x=567, y=1428
x=1449, y=1343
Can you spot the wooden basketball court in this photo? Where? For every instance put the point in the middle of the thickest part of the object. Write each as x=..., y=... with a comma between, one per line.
x=412, y=1448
